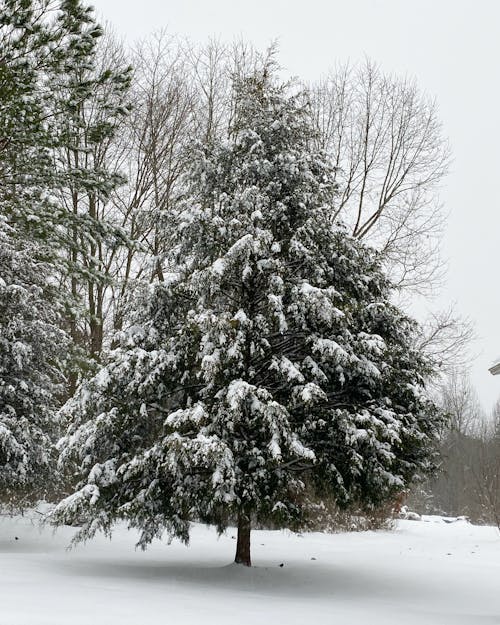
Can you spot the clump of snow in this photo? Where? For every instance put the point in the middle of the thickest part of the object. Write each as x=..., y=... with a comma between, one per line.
x=409, y=515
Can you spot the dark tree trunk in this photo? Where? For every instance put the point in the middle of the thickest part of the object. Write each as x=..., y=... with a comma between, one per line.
x=243, y=543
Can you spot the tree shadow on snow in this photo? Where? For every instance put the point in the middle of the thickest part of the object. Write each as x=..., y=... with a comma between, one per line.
x=303, y=579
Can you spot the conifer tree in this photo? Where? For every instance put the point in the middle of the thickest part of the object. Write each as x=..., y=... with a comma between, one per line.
x=40, y=41
x=60, y=103
x=271, y=357
x=33, y=350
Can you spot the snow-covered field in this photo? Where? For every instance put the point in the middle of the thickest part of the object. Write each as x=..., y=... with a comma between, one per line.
x=427, y=572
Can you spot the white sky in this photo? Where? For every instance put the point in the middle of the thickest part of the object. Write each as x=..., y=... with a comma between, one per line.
x=452, y=48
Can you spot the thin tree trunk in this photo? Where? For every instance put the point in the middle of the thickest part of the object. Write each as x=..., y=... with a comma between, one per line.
x=243, y=543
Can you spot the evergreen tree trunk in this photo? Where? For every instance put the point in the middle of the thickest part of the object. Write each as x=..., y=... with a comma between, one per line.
x=243, y=542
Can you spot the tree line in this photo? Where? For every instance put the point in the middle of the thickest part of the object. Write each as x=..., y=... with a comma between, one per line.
x=468, y=480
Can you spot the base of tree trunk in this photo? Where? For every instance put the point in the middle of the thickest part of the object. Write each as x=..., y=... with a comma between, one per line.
x=243, y=542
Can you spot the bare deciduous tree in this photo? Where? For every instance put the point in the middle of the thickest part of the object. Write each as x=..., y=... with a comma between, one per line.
x=460, y=401
x=210, y=70
x=486, y=470
x=446, y=338
x=469, y=480
x=487, y=478
x=182, y=95
x=214, y=67
x=151, y=151
x=391, y=156
x=93, y=117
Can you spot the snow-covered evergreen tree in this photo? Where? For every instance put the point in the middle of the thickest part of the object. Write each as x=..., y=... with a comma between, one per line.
x=271, y=357
x=60, y=103
x=40, y=42
x=49, y=71
x=32, y=353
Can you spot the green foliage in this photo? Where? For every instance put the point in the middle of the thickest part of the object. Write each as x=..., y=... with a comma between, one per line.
x=48, y=76
x=272, y=354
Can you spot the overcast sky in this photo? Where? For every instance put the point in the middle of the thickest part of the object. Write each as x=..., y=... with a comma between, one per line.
x=452, y=48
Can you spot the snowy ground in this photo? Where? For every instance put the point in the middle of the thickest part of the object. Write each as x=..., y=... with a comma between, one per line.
x=427, y=572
